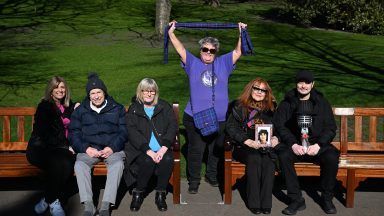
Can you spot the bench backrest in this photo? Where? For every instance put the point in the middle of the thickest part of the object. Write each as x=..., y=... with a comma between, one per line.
x=15, y=118
x=16, y=127
x=360, y=129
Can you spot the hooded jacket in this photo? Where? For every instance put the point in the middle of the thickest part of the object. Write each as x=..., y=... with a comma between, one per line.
x=98, y=130
x=323, y=128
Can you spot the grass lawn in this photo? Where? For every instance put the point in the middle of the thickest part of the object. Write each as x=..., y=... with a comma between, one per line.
x=115, y=39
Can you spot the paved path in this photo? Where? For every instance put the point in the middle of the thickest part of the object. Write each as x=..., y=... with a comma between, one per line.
x=17, y=198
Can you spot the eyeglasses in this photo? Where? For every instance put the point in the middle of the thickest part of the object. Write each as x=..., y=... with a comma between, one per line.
x=259, y=90
x=152, y=92
x=205, y=49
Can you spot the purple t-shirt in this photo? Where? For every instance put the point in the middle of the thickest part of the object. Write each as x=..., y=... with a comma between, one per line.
x=200, y=76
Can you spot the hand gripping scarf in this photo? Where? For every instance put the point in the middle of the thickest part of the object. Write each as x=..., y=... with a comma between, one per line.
x=246, y=44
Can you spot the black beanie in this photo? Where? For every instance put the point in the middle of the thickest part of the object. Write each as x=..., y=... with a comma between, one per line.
x=95, y=83
x=305, y=76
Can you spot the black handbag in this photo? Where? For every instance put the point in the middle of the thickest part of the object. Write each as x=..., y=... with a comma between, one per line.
x=35, y=149
x=35, y=141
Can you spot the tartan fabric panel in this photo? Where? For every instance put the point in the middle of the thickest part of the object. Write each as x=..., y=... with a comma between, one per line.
x=206, y=121
x=246, y=44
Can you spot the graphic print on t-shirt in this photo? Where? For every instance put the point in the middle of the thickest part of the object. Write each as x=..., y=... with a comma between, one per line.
x=206, y=77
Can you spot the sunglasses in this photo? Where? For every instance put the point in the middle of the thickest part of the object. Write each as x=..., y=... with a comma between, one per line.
x=259, y=90
x=205, y=49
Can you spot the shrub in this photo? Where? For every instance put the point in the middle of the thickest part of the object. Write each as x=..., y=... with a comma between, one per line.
x=361, y=16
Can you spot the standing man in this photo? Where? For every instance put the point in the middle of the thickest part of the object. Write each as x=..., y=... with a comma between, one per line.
x=305, y=102
x=98, y=133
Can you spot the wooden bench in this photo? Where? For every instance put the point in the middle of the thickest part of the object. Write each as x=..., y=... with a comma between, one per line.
x=360, y=141
x=13, y=162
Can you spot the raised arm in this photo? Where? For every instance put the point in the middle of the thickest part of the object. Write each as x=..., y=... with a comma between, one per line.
x=176, y=42
x=237, y=51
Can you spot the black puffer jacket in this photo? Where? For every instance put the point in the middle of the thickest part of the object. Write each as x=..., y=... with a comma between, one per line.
x=323, y=128
x=163, y=124
x=49, y=126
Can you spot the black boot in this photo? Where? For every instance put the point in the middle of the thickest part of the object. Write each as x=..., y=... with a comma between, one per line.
x=327, y=203
x=137, y=200
x=160, y=200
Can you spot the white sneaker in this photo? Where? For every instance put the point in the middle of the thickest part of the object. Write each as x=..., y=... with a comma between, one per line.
x=41, y=206
x=56, y=209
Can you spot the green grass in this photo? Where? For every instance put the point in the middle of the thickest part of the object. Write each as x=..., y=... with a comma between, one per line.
x=72, y=38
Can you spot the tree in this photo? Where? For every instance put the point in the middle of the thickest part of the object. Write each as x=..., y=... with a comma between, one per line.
x=163, y=12
x=213, y=3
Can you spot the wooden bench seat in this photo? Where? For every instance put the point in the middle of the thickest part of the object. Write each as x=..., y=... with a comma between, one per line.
x=360, y=141
x=13, y=144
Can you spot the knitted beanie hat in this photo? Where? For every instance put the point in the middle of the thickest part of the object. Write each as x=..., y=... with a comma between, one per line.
x=95, y=83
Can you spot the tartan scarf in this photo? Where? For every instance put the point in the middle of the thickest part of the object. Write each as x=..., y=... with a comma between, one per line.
x=246, y=44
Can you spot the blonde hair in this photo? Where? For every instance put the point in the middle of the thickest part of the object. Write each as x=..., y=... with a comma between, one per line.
x=54, y=83
x=147, y=84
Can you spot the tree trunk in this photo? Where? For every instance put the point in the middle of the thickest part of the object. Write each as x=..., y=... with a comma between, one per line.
x=213, y=3
x=163, y=12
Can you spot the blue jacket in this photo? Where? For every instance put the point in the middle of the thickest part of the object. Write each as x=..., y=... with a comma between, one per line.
x=98, y=130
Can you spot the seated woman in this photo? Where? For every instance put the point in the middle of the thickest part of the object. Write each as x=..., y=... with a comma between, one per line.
x=152, y=128
x=53, y=155
x=255, y=105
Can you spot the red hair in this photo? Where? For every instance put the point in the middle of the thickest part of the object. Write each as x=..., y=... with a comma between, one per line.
x=246, y=96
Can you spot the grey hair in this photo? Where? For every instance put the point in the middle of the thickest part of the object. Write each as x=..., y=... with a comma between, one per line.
x=54, y=83
x=209, y=40
x=147, y=84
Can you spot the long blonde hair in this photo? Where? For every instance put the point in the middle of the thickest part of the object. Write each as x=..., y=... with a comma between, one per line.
x=54, y=83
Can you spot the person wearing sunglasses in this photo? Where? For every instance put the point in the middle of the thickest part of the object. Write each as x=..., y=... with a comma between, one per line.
x=255, y=105
x=306, y=101
x=208, y=84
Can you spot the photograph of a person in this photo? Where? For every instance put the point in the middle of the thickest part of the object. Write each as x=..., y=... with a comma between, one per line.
x=264, y=134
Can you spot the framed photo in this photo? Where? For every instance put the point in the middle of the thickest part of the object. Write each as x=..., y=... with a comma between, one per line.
x=264, y=133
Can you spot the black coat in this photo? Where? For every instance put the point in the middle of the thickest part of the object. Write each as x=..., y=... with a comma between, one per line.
x=323, y=128
x=163, y=124
x=236, y=127
x=49, y=126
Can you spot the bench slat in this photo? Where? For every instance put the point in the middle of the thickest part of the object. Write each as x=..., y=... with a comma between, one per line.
x=6, y=129
x=20, y=128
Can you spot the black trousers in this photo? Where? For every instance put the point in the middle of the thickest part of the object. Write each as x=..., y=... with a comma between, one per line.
x=197, y=144
x=58, y=166
x=260, y=170
x=327, y=158
x=163, y=171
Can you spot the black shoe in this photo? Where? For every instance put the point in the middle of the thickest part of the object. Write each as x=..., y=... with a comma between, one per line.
x=255, y=210
x=160, y=201
x=266, y=210
x=137, y=200
x=193, y=188
x=328, y=207
x=295, y=206
x=212, y=182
